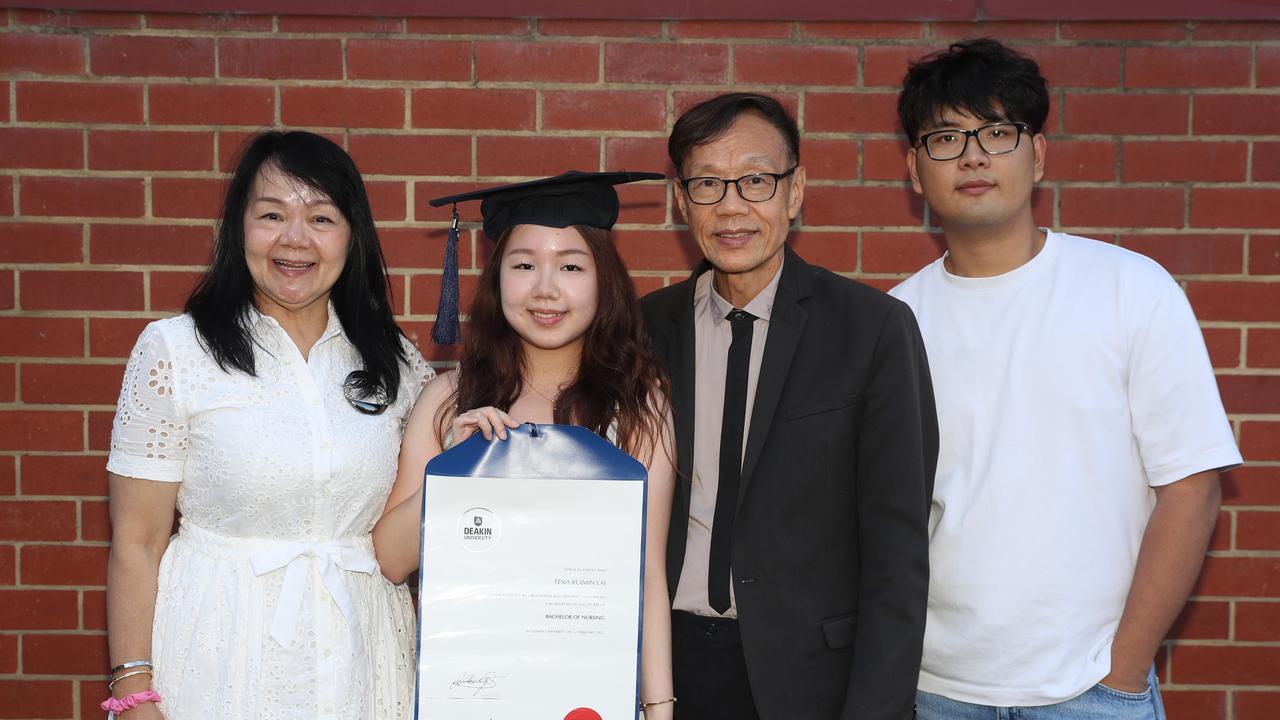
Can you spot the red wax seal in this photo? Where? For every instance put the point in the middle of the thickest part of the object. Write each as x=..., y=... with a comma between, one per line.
x=583, y=714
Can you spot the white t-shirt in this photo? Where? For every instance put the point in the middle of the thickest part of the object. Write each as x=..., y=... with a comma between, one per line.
x=1065, y=390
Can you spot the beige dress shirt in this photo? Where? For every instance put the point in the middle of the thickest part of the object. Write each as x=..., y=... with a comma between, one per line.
x=712, y=337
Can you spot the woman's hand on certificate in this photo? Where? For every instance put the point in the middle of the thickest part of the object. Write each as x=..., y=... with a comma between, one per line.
x=488, y=420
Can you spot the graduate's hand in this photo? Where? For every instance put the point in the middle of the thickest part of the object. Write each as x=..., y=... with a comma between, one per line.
x=488, y=420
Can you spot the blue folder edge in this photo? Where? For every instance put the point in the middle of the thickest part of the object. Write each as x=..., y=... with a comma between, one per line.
x=556, y=452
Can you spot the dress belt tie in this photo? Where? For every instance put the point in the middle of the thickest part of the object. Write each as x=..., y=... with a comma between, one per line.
x=333, y=556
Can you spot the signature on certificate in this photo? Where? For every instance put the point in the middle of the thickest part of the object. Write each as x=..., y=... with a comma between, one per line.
x=477, y=682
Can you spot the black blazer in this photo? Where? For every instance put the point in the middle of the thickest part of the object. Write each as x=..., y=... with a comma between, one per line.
x=830, y=548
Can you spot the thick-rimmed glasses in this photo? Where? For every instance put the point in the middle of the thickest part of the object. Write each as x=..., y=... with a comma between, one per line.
x=756, y=187
x=994, y=139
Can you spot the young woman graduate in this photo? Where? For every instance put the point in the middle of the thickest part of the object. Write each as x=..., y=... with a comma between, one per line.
x=555, y=336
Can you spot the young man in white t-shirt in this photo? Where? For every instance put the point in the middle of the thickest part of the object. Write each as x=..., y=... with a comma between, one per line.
x=1081, y=428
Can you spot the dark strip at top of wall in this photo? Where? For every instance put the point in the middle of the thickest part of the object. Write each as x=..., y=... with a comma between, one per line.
x=870, y=10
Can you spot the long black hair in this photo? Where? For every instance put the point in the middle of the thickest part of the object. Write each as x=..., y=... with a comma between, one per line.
x=222, y=301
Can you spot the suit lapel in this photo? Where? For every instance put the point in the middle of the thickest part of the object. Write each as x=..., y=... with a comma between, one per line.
x=680, y=354
x=786, y=324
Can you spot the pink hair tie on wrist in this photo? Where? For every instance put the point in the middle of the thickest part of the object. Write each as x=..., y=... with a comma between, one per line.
x=129, y=702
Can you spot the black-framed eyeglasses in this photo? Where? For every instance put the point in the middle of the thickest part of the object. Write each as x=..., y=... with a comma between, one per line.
x=994, y=139
x=756, y=187
x=364, y=393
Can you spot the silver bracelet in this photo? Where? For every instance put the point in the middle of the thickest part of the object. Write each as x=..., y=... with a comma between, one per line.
x=132, y=664
x=141, y=671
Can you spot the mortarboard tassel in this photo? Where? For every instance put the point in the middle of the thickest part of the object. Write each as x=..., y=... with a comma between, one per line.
x=446, y=330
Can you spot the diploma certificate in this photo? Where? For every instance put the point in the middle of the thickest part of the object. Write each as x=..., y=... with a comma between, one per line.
x=530, y=594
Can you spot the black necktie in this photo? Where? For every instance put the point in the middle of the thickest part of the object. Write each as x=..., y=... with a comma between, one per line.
x=735, y=416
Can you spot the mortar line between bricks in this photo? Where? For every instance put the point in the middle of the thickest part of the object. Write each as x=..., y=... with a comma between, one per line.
x=101, y=677
x=1143, y=231
x=99, y=544
x=17, y=454
x=146, y=290
x=1237, y=599
x=1253, y=66
x=1245, y=554
x=1187, y=687
x=58, y=407
x=17, y=294
x=87, y=314
x=86, y=339
x=1193, y=230
x=1219, y=642
x=191, y=128
x=342, y=56
x=84, y=150
x=374, y=132
x=195, y=127
x=42, y=360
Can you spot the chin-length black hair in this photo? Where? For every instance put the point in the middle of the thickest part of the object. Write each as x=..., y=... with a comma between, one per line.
x=222, y=300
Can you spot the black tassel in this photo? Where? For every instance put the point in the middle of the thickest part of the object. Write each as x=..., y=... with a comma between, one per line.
x=446, y=330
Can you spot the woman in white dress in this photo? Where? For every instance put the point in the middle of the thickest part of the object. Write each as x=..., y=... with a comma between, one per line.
x=555, y=335
x=269, y=415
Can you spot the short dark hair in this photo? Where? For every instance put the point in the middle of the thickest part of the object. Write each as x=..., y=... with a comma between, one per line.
x=221, y=302
x=708, y=120
x=980, y=76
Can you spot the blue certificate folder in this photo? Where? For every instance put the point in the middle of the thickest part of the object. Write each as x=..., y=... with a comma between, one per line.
x=531, y=583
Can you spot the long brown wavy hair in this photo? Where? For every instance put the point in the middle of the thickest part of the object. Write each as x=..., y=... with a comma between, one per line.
x=619, y=377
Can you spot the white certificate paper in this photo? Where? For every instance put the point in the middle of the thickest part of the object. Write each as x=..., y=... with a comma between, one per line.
x=530, y=598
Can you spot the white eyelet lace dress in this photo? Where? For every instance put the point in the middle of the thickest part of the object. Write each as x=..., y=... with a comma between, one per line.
x=270, y=602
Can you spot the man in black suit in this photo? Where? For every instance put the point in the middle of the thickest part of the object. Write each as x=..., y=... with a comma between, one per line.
x=807, y=440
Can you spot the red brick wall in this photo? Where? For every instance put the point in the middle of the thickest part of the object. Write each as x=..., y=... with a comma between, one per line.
x=115, y=130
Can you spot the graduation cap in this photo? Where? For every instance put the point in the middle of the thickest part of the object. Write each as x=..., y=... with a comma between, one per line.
x=574, y=198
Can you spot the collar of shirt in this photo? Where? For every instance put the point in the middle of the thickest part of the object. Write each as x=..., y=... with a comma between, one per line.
x=761, y=305
x=263, y=323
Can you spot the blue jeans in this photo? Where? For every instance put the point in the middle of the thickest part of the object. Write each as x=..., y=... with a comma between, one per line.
x=1097, y=703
